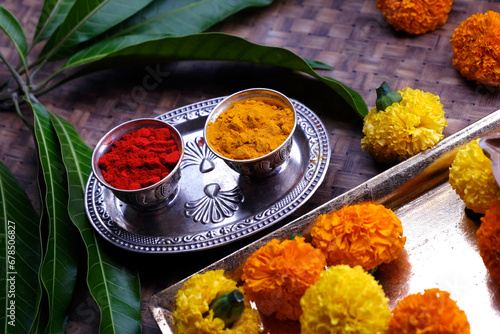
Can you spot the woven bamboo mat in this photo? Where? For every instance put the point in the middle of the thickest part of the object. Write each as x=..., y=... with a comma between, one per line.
x=349, y=35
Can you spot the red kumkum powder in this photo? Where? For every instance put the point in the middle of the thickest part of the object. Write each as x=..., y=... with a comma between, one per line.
x=140, y=159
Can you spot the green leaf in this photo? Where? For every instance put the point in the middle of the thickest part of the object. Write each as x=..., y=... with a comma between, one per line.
x=164, y=18
x=52, y=14
x=59, y=267
x=318, y=65
x=115, y=288
x=20, y=289
x=85, y=20
x=41, y=319
x=12, y=28
x=134, y=49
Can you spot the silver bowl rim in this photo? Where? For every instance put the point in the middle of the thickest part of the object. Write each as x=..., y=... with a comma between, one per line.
x=137, y=120
x=241, y=92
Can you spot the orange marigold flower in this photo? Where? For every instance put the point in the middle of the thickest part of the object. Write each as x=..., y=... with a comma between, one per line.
x=277, y=275
x=415, y=16
x=476, y=48
x=488, y=239
x=363, y=234
x=431, y=312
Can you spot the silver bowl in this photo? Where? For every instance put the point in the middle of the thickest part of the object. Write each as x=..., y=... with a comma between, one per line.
x=154, y=196
x=271, y=162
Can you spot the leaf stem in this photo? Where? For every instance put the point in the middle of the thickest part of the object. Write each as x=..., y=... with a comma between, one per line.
x=22, y=84
x=36, y=70
x=16, y=105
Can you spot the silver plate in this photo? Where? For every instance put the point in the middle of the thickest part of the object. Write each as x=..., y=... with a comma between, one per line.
x=214, y=205
x=441, y=246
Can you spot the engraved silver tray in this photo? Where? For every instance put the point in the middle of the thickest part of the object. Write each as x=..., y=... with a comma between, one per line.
x=441, y=246
x=213, y=205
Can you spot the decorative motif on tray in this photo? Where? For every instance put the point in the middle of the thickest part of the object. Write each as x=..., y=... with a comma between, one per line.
x=103, y=212
x=311, y=130
x=216, y=206
x=190, y=112
x=197, y=152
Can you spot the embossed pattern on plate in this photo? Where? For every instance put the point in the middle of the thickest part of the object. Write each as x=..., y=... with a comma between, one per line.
x=213, y=205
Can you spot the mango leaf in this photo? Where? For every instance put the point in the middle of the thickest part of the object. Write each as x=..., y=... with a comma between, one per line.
x=164, y=18
x=59, y=267
x=134, y=49
x=85, y=20
x=20, y=249
x=317, y=65
x=41, y=319
x=52, y=14
x=12, y=28
x=115, y=288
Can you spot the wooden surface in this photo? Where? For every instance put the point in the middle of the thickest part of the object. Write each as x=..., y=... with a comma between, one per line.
x=349, y=35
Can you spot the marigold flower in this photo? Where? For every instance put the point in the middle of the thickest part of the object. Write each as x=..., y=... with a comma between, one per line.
x=363, y=234
x=405, y=128
x=431, y=312
x=192, y=313
x=277, y=275
x=488, y=239
x=472, y=178
x=415, y=16
x=345, y=300
x=476, y=48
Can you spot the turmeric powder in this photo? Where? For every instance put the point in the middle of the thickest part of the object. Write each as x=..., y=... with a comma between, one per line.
x=249, y=129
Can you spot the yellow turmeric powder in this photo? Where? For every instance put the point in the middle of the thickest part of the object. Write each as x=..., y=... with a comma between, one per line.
x=249, y=129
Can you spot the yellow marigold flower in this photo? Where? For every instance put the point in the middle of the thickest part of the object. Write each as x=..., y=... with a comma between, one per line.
x=476, y=48
x=431, y=312
x=345, y=300
x=363, y=234
x=277, y=275
x=488, y=239
x=405, y=128
x=192, y=314
x=472, y=178
x=415, y=16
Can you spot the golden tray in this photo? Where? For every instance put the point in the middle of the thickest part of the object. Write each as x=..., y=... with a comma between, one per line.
x=441, y=246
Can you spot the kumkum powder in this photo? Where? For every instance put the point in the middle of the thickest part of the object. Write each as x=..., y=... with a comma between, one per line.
x=140, y=159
